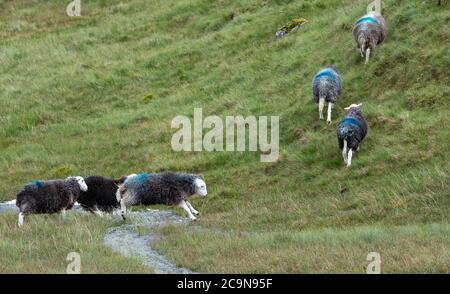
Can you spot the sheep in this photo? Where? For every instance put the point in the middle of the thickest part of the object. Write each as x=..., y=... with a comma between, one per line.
x=369, y=31
x=166, y=188
x=351, y=131
x=326, y=87
x=101, y=194
x=49, y=196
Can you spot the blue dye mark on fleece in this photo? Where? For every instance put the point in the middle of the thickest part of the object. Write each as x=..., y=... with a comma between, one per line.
x=38, y=183
x=325, y=73
x=139, y=179
x=350, y=121
x=366, y=19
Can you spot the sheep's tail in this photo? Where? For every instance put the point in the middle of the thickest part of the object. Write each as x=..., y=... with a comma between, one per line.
x=344, y=151
x=120, y=191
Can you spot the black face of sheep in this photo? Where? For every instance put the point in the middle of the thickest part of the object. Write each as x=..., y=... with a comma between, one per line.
x=369, y=31
x=352, y=129
x=101, y=194
x=162, y=188
x=326, y=87
x=49, y=196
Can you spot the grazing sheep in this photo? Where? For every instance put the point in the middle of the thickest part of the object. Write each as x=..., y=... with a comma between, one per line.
x=101, y=194
x=162, y=188
x=326, y=86
x=49, y=196
x=351, y=131
x=369, y=31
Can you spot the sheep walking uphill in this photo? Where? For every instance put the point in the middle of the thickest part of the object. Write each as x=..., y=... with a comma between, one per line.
x=369, y=31
x=49, y=196
x=161, y=188
x=326, y=87
x=352, y=129
x=101, y=194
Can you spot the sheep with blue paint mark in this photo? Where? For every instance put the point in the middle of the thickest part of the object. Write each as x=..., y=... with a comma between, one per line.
x=351, y=131
x=166, y=188
x=369, y=31
x=49, y=196
x=326, y=87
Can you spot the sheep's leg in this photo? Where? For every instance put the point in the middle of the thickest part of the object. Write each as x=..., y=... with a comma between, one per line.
x=123, y=209
x=321, y=106
x=330, y=107
x=63, y=213
x=186, y=208
x=367, y=55
x=21, y=218
x=344, y=152
x=192, y=209
x=349, y=158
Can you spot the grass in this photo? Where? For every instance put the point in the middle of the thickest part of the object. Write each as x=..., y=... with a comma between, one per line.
x=96, y=95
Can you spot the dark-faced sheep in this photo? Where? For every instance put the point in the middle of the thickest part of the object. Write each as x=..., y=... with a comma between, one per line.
x=49, y=196
x=161, y=188
x=101, y=194
x=352, y=129
x=326, y=87
x=369, y=31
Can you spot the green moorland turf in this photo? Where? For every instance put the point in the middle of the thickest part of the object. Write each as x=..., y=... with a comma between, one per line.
x=96, y=95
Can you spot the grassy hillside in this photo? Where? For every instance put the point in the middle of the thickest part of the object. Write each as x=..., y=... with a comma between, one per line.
x=96, y=95
x=43, y=245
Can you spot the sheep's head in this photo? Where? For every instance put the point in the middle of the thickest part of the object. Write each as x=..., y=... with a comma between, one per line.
x=81, y=183
x=354, y=105
x=200, y=187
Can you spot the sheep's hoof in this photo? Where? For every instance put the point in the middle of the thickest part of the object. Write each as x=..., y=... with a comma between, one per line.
x=123, y=217
x=329, y=122
x=196, y=212
x=193, y=218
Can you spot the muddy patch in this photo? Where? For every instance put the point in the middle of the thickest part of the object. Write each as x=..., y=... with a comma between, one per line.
x=125, y=240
